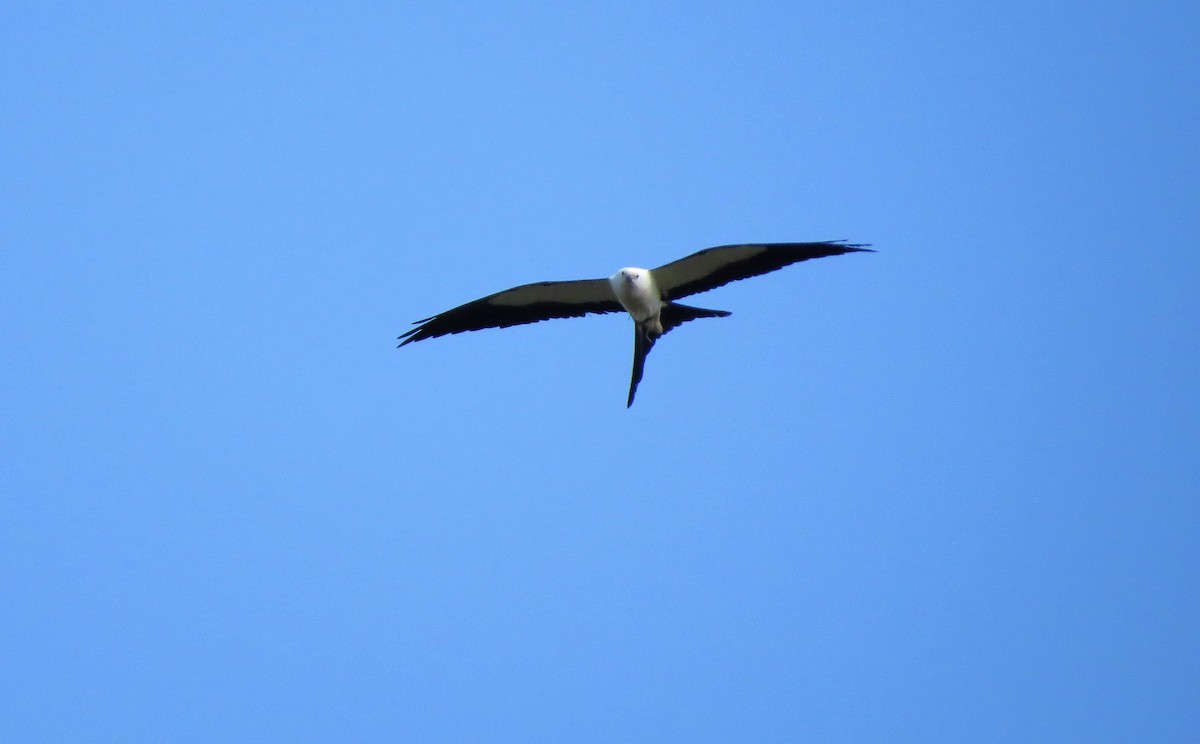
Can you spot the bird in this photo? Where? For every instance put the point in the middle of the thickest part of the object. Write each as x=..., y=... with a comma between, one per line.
x=648, y=295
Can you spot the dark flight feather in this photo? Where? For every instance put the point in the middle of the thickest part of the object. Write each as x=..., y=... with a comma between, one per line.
x=713, y=267
x=528, y=303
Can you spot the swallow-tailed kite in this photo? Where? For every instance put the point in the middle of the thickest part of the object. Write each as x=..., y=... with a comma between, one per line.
x=647, y=295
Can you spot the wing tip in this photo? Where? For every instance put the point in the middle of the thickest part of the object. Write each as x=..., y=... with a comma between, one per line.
x=420, y=333
x=852, y=247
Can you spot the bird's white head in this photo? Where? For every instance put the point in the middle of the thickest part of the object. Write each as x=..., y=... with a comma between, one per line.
x=629, y=276
x=636, y=291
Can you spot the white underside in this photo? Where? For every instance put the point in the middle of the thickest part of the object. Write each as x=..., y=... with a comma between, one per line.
x=637, y=292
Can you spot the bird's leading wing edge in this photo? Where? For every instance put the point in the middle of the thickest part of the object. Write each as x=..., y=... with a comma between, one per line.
x=713, y=267
x=528, y=303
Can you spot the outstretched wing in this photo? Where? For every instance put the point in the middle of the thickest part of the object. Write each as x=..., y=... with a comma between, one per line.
x=712, y=267
x=528, y=303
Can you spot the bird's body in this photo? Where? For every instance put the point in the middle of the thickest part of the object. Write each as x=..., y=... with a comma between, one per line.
x=647, y=295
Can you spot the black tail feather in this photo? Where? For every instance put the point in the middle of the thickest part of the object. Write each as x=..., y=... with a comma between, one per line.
x=643, y=342
x=673, y=315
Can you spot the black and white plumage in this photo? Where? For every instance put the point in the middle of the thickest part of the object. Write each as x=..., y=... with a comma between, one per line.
x=649, y=296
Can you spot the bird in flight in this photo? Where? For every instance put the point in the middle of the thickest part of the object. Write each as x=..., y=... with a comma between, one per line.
x=648, y=295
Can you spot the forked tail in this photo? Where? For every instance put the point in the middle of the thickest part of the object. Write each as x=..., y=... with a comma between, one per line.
x=672, y=316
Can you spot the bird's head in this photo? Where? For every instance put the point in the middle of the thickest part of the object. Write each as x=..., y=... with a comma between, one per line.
x=630, y=284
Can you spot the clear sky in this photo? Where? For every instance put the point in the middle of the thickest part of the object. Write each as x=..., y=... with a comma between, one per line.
x=948, y=491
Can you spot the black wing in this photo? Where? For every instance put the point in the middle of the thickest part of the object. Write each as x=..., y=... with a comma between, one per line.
x=528, y=303
x=712, y=267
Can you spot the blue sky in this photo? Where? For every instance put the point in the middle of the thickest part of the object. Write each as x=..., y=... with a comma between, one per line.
x=949, y=491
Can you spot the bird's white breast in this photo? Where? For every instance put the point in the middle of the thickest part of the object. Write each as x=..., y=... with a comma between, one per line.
x=637, y=292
